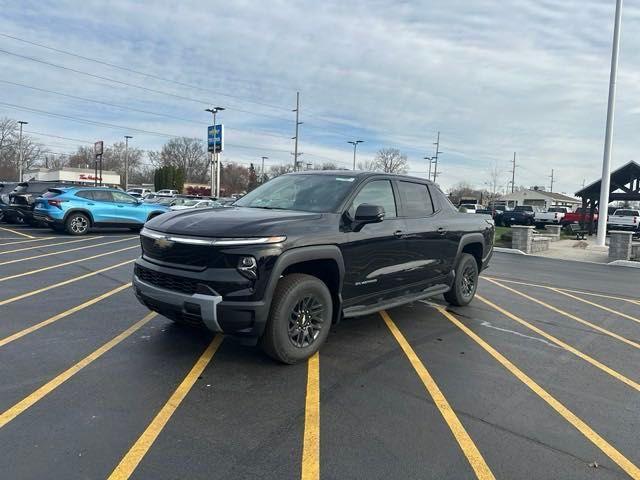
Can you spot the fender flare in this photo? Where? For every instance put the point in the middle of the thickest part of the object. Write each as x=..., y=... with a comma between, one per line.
x=76, y=210
x=154, y=214
x=467, y=239
x=305, y=254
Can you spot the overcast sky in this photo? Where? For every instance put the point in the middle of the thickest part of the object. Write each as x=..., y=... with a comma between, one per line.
x=493, y=77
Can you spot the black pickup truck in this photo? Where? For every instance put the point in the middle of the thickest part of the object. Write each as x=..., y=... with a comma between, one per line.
x=22, y=200
x=520, y=215
x=305, y=250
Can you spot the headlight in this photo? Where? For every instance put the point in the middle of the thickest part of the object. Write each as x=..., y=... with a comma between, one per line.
x=248, y=267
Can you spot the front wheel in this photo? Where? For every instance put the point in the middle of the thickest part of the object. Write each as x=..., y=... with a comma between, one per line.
x=465, y=283
x=299, y=320
x=77, y=224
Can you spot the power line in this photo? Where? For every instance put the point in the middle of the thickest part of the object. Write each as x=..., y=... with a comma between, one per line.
x=145, y=74
x=58, y=136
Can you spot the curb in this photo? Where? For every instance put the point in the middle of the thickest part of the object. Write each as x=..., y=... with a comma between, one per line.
x=615, y=263
x=624, y=263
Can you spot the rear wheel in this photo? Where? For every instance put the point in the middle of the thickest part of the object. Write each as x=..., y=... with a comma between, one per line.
x=299, y=320
x=77, y=224
x=465, y=282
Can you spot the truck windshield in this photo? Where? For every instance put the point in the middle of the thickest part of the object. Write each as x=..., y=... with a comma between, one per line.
x=307, y=193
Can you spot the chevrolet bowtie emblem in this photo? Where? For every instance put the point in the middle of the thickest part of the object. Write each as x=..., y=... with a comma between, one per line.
x=163, y=243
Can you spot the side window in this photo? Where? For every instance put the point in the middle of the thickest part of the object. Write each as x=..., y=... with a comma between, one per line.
x=122, y=197
x=416, y=199
x=88, y=194
x=378, y=192
x=102, y=196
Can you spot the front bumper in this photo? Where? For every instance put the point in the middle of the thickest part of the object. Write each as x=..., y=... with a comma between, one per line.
x=204, y=306
x=245, y=320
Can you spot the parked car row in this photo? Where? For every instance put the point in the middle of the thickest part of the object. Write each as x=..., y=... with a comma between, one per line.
x=75, y=208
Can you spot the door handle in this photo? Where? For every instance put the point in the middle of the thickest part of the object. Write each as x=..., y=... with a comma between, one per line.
x=90, y=203
x=120, y=206
x=398, y=234
x=441, y=231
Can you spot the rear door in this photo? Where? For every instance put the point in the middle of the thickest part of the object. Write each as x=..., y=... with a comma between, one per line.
x=102, y=207
x=375, y=256
x=426, y=238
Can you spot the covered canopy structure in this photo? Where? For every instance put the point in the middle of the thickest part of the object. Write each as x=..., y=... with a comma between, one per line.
x=625, y=186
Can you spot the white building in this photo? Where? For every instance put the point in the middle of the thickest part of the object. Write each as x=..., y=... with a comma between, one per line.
x=540, y=198
x=68, y=174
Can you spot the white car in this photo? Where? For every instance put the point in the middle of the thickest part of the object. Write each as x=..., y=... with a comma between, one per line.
x=624, y=219
x=472, y=207
x=552, y=216
x=167, y=193
x=139, y=192
x=195, y=204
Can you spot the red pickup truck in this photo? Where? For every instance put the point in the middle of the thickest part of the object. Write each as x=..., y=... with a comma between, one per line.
x=577, y=217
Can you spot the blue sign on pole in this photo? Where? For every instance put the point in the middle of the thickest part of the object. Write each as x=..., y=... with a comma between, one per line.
x=215, y=138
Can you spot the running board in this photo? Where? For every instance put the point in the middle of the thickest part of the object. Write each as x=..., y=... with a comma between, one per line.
x=358, y=311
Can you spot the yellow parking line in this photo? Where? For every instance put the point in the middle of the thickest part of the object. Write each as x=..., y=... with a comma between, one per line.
x=311, y=441
x=632, y=470
x=469, y=448
x=11, y=338
x=48, y=245
x=16, y=232
x=601, y=295
x=42, y=255
x=569, y=315
x=562, y=344
x=32, y=272
x=60, y=284
x=597, y=305
x=8, y=415
x=136, y=453
x=39, y=239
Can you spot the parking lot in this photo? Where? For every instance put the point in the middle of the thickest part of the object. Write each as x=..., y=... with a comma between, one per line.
x=537, y=378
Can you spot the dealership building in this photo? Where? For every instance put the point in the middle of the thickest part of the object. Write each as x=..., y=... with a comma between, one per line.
x=69, y=174
x=540, y=198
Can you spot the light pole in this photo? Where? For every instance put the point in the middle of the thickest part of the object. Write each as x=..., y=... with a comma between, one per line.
x=605, y=183
x=430, y=163
x=262, y=170
x=126, y=161
x=214, y=154
x=21, y=152
x=355, y=147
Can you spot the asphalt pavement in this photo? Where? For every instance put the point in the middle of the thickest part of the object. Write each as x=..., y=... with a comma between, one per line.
x=536, y=379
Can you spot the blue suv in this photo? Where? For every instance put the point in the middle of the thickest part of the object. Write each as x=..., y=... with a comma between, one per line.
x=77, y=209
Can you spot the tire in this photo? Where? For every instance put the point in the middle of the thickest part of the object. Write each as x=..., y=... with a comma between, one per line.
x=283, y=338
x=465, y=283
x=77, y=224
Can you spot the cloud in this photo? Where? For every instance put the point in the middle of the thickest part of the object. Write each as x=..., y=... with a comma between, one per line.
x=530, y=76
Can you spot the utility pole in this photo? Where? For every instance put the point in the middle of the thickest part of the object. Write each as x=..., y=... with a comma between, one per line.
x=21, y=152
x=126, y=161
x=513, y=174
x=438, y=152
x=355, y=147
x=262, y=170
x=551, y=176
x=298, y=123
x=606, y=161
x=215, y=159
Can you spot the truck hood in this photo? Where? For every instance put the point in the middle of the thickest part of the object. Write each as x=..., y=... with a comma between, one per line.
x=229, y=222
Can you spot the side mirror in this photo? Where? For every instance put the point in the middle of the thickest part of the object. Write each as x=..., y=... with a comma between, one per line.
x=367, y=213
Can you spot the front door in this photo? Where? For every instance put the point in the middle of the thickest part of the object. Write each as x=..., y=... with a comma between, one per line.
x=374, y=256
x=126, y=209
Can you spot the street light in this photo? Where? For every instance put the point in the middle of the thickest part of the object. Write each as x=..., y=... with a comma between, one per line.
x=214, y=154
x=430, y=163
x=21, y=152
x=126, y=161
x=355, y=147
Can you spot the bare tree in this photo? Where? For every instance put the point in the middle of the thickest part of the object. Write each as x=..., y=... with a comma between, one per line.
x=390, y=160
x=368, y=165
x=326, y=166
x=277, y=170
x=494, y=181
x=82, y=158
x=186, y=153
x=234, y=178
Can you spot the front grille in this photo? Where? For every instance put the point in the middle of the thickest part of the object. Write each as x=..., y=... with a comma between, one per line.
x=166, y=281
x=181, y=254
